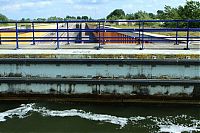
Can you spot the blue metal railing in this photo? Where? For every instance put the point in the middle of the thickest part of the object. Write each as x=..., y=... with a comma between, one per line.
x=138, y=34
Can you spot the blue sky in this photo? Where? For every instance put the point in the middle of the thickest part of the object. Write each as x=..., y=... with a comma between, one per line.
x=17, y=9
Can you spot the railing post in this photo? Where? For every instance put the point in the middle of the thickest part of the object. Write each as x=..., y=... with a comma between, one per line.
x=57, y=35
x=17, y=41
x=99, y=35
x=81, y=37
x=33, y=28
x=67, y=32
x=188, y=36
x=177, y=33
x=0, y=38
x=142, y=36
x=103, y=32
x=139, y=32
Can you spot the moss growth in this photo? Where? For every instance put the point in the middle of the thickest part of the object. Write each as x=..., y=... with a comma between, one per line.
x=103, y=56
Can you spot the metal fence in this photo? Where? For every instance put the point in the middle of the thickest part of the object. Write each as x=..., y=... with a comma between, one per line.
x=99, y=32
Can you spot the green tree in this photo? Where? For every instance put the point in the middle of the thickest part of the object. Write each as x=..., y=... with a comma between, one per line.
x=69, y=18
x=116, y=14
x=3, y=17
x=28, y=19
x=142, y=15
x=152, y=16
x=160, y=14
x=53, y=18
x=22, y=20
x=171, y=13
x=191, y=10
x=130, y=16
x=85, y=17
x=78, y=17
x=41, y=19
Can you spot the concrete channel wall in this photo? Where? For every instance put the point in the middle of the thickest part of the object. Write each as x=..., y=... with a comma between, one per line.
x=130, y=88
x=101, y=68
x=95, y=76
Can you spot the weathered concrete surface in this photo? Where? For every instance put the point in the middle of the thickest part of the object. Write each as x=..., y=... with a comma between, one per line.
x=99, y=54
x=101, y=68
x=124, y=75
x=174, y=88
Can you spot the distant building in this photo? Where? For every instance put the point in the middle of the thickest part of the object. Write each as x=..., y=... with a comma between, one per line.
x=121, y=23
x=124, y=23
x=25, y=27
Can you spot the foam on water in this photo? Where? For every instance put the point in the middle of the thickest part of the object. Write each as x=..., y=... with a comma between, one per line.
x=177, y=128
x=20, y=112
x=24, y=109
x=169, y=124
x=87, y=115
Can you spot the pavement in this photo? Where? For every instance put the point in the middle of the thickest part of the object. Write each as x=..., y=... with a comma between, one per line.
x=150, y=46
x=99, y=52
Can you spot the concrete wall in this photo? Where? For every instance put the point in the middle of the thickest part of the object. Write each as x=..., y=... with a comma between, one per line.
x=65, y=88
x=84, y=70
x=118, y=78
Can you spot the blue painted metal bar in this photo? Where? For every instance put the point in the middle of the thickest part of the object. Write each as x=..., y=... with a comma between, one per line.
x=103, y=42
x=108, y=30
x=0, y=39
x=142, y=36
x=99, y=34
x=57, y=35
x=188, y=34
x=33, y=27
x=124, y=38
x=81, y=32
x=139, y=31
x=68, y=32
x=177, y=34
x=88, y=41
x=17, y=41
x=191, y=37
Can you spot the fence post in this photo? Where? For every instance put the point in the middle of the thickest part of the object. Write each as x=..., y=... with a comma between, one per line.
x=17, y=41
x=0, y=38
x=142, y=36
x=139, y=32
x=176, y=33
x=103, y=32
x=80, y=37
x=188, y=36
x=99, y=35
x=57, y=35
x=33, y=28
x=67, y=32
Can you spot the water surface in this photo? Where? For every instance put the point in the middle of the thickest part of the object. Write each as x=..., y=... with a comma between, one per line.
x=55, y=117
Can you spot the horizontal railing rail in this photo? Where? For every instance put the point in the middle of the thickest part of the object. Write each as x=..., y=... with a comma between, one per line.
x=140, y=32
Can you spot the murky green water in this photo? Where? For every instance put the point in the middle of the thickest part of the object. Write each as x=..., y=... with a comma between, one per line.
x=54, y=117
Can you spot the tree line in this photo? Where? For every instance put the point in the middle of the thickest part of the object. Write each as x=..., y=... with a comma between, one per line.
x=55, y=18
x=191, y=10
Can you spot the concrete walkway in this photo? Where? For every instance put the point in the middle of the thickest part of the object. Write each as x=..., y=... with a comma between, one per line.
x=102, y=51
x=151, y=46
